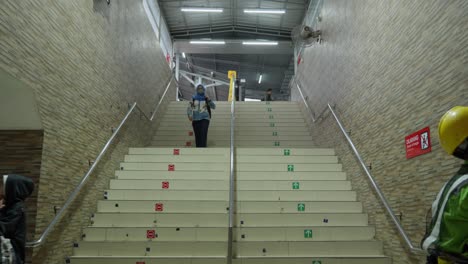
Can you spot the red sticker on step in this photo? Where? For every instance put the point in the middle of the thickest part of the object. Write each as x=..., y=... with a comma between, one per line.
x=165, y=185
x=159, y=207
x=190, y=133
x=176, y=151
x=150, y=234
x=140, y=262
x=171, y=167
x=188, y=144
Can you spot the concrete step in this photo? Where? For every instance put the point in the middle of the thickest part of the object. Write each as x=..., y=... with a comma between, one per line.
x=171, y=184
x=242, y=119
x=227, y=115
x=288, y=167
x=226, y=137
x=221, y=220
x=177, y=158
x=342, y=259
x=226, y=129
x=238, y=133
x=238, y=143
x=185, y=151
x=116, y=234
x=242, y=125
x=145, y=206
x=159, y=220
x=241, y=176
x=284, y=152
x=152, y=248
x=189, y=195
x=177, y=166
x=244, y=159
x=213, y=206
x=168, y=195
x=242, y=250
x=264, y=234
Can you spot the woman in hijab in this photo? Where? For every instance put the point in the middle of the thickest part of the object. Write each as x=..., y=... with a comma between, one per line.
x=199, y=113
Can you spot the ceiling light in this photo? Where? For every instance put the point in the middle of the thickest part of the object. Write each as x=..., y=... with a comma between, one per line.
x=196, y=9
x=268, y=43
x=183, y=55
x=260, y=79
x=265, y=11
x=208, y=42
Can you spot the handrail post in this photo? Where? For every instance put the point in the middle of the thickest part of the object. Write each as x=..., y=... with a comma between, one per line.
x=231, y=185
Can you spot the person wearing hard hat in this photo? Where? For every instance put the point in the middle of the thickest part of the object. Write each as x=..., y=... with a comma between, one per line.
x=446, y=239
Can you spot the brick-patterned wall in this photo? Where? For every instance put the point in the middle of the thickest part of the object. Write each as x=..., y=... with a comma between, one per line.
x=21, y=153
x=85, y=61
x=391, y=68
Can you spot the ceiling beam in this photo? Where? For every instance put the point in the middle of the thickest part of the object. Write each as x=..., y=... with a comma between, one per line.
x=232, y=47
x=238, y=63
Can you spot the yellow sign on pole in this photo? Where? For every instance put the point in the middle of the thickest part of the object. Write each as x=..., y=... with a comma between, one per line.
x=232, y=76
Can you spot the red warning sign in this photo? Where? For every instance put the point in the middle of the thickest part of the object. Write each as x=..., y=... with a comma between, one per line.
x=171, y=167
x=176, y=151
x=140, y=262
x=165, y=185
x=150, y=234
x=188, y=144
x=190, y=133
x=418, y=143
x=159, y=207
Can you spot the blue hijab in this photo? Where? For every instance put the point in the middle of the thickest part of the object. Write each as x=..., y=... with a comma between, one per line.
x=199, y=96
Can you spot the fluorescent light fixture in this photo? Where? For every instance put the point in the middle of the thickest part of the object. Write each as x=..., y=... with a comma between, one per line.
x=252, y=100
x=183, y=55
x=197, y=9
x=260, y=43
x=214, y=42
x=265, y=11
x=260, y=79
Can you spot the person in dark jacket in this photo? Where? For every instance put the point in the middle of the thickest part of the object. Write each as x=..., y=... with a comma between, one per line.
x=16, y=189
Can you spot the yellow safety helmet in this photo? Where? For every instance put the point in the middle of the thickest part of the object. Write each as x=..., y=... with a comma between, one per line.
x=453, y=132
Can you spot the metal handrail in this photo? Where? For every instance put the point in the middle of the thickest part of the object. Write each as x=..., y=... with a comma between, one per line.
x=383, y=199
x=86, y=177
x=231, y=183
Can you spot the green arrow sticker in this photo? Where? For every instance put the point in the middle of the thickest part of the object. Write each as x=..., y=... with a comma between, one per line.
x=301, y=207
x=295, y=185
x=316, y=262
x=308, y=233
x=290, y=167
x=269, y=110
x=267, y=102
x=287, y=152
x=272, y=117
x=277, y=143
x=275, y=134
x=272, y=124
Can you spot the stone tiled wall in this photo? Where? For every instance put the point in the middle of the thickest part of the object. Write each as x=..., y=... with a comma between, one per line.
x=391, y=68
x=21, y=153
x=86, y=61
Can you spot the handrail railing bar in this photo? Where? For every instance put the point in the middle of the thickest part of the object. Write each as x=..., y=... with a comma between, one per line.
x=162, y=97
x=305, y=101
x=78, y=188
x=376, y=186
x=85, y=178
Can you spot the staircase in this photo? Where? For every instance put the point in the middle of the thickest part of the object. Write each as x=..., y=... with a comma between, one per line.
x=169, y=203
x=257, y=125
